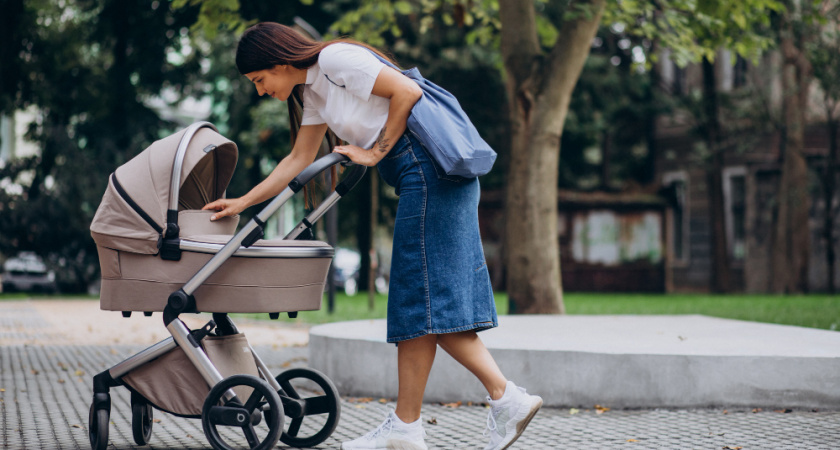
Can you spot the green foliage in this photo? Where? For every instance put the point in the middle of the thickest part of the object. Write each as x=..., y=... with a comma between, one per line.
x=215, y=15
x=378, y=21
x=824, y=55
x=697, y=29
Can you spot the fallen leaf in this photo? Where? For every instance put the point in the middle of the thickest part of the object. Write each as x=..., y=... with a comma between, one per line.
x=573, y=411
x=601, y=409
x=756, y=410
x=432, y=421
x=80, y=373
x=61, y=381
x=453, y=404
x=2, y=390
x=729, y=447
x=631, y=440
x=76, y=426
x=682, y=338
x=725, y=411
x=383, y=401
x=156, y=420
x=34, y=372
x=784, y=411
x=361, y=406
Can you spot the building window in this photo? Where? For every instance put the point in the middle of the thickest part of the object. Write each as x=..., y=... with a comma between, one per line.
x=676, y=184
x=735, y=200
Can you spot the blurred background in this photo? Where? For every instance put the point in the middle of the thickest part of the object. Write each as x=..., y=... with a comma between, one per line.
x=644, y=146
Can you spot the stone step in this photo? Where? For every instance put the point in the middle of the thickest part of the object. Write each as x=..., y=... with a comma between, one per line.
x=616, y=361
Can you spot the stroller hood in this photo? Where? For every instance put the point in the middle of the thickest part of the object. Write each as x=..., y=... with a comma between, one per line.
x=133, y=213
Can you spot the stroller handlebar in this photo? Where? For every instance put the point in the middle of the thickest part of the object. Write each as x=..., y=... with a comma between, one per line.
x=322, y=164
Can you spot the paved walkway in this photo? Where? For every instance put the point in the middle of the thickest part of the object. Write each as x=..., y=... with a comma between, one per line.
x=45, y=392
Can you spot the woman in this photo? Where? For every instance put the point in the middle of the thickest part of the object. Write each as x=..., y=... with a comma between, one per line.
x=439, y=291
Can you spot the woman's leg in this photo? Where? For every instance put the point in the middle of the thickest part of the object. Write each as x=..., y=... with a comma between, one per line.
x=467, y=349
x=414, y=362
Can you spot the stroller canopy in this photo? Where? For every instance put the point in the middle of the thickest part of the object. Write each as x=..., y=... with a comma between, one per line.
x=133, y=214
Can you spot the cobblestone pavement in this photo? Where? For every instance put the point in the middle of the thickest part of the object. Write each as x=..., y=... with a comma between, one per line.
x=45, y=393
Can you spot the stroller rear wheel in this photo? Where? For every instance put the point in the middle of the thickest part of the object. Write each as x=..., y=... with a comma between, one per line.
x=308, y=393
x=98, y=427
x=218, y=411
x=142, y=415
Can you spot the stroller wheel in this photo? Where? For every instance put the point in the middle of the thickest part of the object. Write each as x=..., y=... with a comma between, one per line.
x=247, y=415
x=98, y=427
x=308, y=394
x=142, y=414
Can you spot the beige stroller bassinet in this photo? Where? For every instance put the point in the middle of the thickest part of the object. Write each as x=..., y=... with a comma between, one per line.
x=159, y=252
x=152, y=237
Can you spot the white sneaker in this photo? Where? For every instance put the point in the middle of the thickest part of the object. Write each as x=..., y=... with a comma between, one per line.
x=393, y=434
x=509, y=416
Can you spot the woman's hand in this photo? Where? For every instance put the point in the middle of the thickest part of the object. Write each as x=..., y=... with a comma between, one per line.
x=358, y=155
x=226, y=207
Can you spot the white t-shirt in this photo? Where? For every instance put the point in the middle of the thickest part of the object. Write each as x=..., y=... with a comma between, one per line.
x=338, y=93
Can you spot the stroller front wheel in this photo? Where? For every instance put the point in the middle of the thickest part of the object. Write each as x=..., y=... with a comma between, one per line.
x=308, y=393
x=142, y=415
x=98, y=427
x=247, y=415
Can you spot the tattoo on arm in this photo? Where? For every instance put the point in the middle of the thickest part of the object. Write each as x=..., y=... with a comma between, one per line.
x=382, y=142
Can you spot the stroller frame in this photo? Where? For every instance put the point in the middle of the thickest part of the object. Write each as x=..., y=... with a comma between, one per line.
x=271, y=398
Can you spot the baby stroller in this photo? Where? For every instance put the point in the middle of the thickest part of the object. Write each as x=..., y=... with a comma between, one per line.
x=159, y=252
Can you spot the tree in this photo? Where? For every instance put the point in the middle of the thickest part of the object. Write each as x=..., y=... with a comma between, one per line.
x=792, y=236
x=539, y=89
x=691, y=30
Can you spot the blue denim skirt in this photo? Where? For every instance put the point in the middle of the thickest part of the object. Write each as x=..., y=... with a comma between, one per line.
x=439, y=280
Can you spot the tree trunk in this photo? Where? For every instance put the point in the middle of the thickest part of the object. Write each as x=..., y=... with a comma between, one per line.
x=539, y=88
x=792, y=239
x=720, y=281
x=829, y=183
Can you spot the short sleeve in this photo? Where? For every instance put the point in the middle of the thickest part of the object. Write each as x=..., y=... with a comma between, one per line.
x=310, y=116
x=351, y=67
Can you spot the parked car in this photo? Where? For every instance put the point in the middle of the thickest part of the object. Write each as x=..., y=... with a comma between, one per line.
x=346, y=266
x=27, y=272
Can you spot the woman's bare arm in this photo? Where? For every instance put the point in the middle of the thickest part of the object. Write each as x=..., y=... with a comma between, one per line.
x=306, y=147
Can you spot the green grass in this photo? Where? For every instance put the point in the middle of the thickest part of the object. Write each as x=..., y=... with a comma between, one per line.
x=815, y=311
x=354, y=308
x=17, y=296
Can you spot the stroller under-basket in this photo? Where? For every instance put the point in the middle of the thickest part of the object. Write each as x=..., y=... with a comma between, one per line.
x=159, y=252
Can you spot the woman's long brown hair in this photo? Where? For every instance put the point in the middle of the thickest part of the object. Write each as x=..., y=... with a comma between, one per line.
x=269, y=44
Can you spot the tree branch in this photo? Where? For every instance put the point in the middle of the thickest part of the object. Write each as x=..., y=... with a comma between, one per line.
x=520, y=43
x=565, y=62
